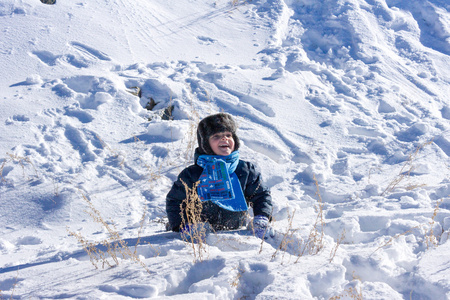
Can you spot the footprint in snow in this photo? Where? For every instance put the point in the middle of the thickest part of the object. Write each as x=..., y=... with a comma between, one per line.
x=253, y=280
x=79, y=142
x=198, y=272
x=81, y=115
x=46, y=57
x=16, y=118
x=90, y=52
x=51, y=59
x=9, y=285
x=138, y=291
x=322, y=101
x=443, y=142
x=413, y=133
x=132, y=290
x=206, y=40
x=159, y=151
x=29, y=240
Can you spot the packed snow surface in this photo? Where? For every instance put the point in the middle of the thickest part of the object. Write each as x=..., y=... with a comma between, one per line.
x=344, y=106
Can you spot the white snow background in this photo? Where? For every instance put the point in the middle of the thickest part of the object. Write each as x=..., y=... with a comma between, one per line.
x=351, y=94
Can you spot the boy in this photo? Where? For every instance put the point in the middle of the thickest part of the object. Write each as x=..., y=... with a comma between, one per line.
x=226, y=184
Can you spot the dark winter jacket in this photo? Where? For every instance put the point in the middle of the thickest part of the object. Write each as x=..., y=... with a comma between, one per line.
x=256, y=194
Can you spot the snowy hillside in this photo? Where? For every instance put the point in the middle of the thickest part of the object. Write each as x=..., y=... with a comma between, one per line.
x=344, y=105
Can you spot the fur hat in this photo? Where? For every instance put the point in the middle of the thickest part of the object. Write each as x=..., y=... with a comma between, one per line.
x=214, y=124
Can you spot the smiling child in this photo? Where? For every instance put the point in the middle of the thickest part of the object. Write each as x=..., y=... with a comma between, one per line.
x=227, y=185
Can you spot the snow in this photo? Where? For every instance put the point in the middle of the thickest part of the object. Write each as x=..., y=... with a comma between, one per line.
x=343, y=105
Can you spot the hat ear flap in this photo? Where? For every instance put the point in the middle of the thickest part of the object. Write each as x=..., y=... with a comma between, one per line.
x=237, y=142
x=203, y=142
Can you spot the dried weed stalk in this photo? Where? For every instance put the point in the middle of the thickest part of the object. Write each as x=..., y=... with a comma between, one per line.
x=191, y=138
x=431, y=239
x=16, y=279
x=405, y=171
x=351, y=292
x=287, y=239
x=338, y=243
x=236, y=280
x=114, y=153
x=239, y=2
x=314, y=242
x=191, y=209
x=114, y=247
x=21, y=160
x=393, y=238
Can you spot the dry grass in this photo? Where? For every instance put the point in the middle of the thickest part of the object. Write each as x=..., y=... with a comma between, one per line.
x=16, y=159
x=430, y=239
x=239, y=2
x=191, y=209
x=13, y=287
x=393, y=238
x=405, y=172
x=107, y=253
x=235, y=282
x=114, y=153
x=314, y=243
x=352, y=292
x=336, y=247
x=191, y=138
x=115, y=248
x=287, y=239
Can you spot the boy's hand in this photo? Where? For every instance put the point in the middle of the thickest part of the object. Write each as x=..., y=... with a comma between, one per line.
x=261, y=227
x=195, y=233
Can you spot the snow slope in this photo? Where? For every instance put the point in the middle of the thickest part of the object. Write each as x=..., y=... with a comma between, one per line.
x=352, y=94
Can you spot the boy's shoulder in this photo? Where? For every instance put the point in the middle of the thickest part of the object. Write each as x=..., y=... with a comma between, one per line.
x=247, y=167
x=191, y=171
x=247, y=163
x=244, y=163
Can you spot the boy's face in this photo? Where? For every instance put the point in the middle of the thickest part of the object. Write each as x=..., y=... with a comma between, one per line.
x=222, y=143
